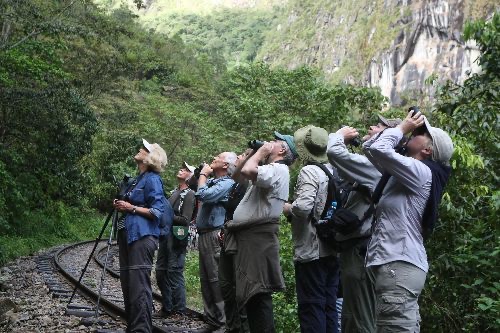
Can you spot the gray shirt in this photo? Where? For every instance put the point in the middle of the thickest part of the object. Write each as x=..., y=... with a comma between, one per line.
x=311, y=192
x=397, y=232
x=358, y=169
x=255, y=225
x=265, y=198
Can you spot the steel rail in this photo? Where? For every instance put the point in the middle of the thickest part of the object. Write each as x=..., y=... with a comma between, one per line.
x=109, y=307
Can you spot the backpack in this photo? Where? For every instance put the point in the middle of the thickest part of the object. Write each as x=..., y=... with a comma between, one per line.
x=335, y=218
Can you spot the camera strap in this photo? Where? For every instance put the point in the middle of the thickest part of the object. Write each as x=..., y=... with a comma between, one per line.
x=134, y=184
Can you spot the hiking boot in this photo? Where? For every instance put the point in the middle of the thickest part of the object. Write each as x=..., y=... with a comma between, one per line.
x=162, y=314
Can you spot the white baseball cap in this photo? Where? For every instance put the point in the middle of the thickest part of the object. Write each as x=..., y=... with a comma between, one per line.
x=442, y=146
x=147, y=145
x=189, y=167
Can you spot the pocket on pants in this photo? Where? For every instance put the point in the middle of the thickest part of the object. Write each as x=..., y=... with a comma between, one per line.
x=391, y=305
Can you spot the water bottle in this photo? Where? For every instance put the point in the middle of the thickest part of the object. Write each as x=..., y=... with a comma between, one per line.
x=331, y=210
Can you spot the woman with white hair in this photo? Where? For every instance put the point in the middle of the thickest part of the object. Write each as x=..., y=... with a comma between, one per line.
x=144, y=208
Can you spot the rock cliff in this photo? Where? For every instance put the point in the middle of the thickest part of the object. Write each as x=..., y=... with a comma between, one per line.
x=430, y=45
x=393, y=44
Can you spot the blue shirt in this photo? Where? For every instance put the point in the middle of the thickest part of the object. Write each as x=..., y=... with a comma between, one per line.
x=147, y=193
x=213, y=195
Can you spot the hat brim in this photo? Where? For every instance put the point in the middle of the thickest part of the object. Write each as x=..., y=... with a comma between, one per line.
x=147, y=145
x=190, y=168
x=427, y=127
x=391, y=123
x=383, y=120
x=290, y=144
x=304, y=153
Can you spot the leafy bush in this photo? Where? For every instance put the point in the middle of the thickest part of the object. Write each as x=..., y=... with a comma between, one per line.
x=463, y=289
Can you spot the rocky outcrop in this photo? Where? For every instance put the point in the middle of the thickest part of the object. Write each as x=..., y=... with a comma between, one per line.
x=392, y=44
x=430, y=45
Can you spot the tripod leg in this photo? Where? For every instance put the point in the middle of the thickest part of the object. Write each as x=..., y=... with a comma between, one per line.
x=91, y=254
x=113, y=225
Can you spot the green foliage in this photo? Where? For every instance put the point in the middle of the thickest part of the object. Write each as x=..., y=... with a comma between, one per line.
x=339, y=37
x=236, y=34
x=258, y=100
x=463, y=291
x=193, y=286
x=285, y=303
x=55, y=224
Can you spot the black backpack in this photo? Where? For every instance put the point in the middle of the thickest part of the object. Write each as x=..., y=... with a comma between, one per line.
x=341, y=220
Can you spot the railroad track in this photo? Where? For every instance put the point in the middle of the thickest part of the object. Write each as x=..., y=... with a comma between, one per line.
x=61, y=269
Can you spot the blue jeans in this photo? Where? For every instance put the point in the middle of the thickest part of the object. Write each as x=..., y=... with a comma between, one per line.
x=170, y=275
x=316, y=283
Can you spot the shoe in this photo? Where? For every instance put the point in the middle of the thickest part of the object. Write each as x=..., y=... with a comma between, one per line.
x=206, y=328
x=162, y=314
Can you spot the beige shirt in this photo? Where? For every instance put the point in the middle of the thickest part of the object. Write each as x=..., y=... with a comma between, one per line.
x=311, y=193
x=265, y=198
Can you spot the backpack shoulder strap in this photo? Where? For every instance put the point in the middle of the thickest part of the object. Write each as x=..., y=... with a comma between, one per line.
x=333, y=193
x=377, y=194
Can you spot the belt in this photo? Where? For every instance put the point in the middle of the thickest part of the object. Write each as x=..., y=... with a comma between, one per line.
x=204, y=231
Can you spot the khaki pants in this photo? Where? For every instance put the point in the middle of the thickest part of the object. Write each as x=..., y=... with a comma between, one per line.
x=398, y=285
x=358, y=307
x=209, y=252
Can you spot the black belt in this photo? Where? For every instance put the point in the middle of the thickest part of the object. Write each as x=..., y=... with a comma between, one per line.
x=204, y=231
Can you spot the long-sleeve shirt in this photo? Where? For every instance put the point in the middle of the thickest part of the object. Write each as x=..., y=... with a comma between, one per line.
x=213, y=195
x=397, y=232
x=147, y=193
x=310, y=195
x=358, y=169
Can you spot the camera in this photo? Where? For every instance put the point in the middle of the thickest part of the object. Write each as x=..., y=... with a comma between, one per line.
x=197, y=171
x=255, y=144
x=356, y=142
x=413, y=110
x=123, y=186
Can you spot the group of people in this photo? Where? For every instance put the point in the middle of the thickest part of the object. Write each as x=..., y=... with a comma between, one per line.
x=382, y=262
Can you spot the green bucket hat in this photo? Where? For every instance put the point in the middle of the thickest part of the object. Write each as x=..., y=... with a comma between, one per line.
x=289, y=141
x=311, y=143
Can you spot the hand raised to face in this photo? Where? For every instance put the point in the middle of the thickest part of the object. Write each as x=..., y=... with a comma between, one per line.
x=348, y=133
x=412, y=121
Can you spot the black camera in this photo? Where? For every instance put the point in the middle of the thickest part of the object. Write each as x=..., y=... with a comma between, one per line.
x=197, y=171
x=255, y=144
x=356, y=142
x=123, y=186
x=413, y=110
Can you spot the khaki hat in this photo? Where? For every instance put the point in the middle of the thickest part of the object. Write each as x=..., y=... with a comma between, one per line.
x=311, y=142
x=389, y=122
x=442, y=146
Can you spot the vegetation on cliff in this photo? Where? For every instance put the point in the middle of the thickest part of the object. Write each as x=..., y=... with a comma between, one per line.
x=79, y=88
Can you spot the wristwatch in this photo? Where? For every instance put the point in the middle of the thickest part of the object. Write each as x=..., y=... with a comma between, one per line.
x=133, y=209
